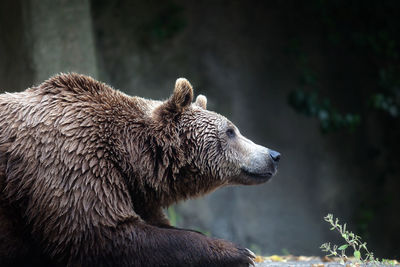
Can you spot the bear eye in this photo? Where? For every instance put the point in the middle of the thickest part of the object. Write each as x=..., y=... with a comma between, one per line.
x=230, y=133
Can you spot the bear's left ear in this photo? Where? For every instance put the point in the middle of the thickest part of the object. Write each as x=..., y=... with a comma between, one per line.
x=182, y=96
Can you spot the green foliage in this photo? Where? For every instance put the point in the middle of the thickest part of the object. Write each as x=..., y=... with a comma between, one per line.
x=360, y=250
x=385, y=103
x=360, y=41
x=347, y=55
x=173, y=216
x=306, y=99
x=368, y=29
x=309, y=103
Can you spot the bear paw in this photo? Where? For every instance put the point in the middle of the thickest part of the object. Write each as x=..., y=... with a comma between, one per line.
x=232, y=255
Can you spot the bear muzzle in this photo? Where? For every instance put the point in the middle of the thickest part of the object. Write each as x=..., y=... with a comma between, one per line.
x=261, y=166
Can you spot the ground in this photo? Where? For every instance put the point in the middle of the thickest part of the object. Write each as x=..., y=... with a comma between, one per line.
x=278, y=261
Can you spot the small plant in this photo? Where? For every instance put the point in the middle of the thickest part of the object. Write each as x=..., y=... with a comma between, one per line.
x=360, y=250
x=173, y=216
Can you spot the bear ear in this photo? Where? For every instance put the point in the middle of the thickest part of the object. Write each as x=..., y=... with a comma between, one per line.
x=201, y=101
x=180, y=99
x=183, y=94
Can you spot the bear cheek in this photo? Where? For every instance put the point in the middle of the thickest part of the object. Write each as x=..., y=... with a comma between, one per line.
x=236, y=159
x=241, y=152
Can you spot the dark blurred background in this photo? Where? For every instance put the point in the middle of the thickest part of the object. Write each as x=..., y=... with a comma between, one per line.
x=316, y=80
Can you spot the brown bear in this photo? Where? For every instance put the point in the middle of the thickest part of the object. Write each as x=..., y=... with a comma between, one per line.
x=85, y=172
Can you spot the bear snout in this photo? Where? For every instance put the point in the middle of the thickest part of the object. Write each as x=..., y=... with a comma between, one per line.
x=261, y=166
x=264, y=162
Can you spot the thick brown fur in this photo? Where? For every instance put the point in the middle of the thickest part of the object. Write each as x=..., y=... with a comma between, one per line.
x=85, y=171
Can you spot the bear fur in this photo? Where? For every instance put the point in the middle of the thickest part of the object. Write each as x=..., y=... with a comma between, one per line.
x=86, y=170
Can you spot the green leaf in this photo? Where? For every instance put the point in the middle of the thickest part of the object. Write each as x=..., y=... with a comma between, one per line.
x=357, y=254
x=343, y=247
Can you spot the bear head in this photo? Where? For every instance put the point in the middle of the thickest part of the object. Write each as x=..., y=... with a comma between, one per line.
x=213, y=151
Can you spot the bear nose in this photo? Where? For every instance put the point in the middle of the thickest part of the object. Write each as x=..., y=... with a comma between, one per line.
x=276, y=156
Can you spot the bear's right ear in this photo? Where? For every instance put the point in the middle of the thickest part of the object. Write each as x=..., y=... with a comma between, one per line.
x=201, y=101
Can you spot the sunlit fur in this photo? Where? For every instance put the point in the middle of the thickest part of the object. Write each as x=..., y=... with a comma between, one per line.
x=85, y=171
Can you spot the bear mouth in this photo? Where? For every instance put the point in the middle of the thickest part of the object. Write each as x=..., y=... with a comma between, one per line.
x=251, y=177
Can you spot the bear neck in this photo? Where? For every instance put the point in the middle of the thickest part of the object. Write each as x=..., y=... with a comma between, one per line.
x=161, y=171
